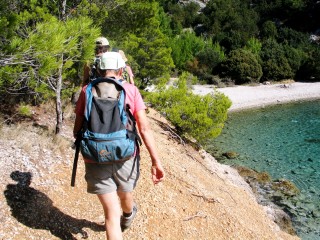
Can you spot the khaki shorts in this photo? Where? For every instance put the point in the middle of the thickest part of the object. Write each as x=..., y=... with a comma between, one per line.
x=107, y=178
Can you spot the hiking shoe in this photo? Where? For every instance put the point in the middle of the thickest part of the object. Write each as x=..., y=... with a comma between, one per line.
x=125, y=222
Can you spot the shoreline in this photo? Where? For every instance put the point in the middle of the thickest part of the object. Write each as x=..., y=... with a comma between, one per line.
x=255, y=97
x=250, y=97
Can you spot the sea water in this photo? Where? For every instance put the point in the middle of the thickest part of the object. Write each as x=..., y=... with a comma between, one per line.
x=283, y=140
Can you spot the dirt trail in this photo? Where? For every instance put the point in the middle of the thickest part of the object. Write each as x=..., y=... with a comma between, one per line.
x=200, y=198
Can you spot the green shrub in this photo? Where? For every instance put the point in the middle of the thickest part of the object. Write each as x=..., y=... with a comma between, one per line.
x=242, y=66
x=24, y=110
x=292, y=37
x=275, y=62
x=277, y=69
x=203, y=64
x=184, y=47
x=207, y=61
x=209, y=57
x=269, y=30
x=295, y=56
x=310, y=70
x=201, y=117
x=254, y=45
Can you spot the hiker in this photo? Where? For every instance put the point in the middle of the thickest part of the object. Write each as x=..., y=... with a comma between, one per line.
x=112, y=182
x=102, y=46
x=127, y=73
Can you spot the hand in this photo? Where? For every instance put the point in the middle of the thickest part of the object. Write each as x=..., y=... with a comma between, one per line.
x=157, y=173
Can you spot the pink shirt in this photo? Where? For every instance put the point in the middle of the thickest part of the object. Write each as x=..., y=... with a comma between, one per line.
x=133, y=98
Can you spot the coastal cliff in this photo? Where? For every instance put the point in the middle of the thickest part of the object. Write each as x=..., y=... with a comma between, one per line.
x=200, y=198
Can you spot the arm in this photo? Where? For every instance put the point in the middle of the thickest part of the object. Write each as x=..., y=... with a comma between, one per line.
x=77, y=125
x=79, y=111
x=130, y=73
x=131, y=80
x=86, y=70
x=157, y=170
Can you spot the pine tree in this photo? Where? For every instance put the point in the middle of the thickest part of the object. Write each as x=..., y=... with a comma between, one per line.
x=45, y=61
x=135, y=27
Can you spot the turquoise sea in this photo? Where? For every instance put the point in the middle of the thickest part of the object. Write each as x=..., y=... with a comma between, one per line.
x=283, y=140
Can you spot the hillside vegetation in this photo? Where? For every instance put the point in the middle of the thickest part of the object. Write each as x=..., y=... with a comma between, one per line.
x=45, y=44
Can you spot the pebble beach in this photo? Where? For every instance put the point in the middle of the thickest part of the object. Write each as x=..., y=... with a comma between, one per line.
x=246, y=97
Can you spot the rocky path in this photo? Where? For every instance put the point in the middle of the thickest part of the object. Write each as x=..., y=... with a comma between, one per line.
x=200, y=198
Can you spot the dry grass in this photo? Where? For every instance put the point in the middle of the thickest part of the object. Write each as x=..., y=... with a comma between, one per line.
x=29, y=137
x=68, y=111
x=38, y=129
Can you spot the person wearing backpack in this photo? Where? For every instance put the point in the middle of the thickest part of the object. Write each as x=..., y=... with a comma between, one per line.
x=113, y=180
x=90, y=69
x=127, y=72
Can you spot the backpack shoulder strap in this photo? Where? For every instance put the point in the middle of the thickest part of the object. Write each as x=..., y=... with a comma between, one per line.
x=100, y=88
x=134, y=129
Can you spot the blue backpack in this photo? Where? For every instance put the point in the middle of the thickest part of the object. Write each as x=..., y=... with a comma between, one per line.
x=109, y=131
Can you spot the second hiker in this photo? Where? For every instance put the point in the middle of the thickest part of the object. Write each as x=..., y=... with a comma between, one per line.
x=89, y=70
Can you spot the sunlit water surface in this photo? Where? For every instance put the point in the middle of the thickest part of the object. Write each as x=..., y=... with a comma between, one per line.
x=283, y=140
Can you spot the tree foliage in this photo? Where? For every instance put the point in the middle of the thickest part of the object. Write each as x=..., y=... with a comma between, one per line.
x=45, y=62
x=231, y=21
x=43, y=44
x=269, y=30
x=135, y=27
x=234, y=24
x=51, y=44
x=254, y=45
x=206, y=61
x=242, y=66
x=310, y=69
x=184, y=48
x=202, y=117
x=275, y=63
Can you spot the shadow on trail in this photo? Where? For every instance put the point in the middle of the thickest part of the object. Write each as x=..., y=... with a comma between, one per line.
x=35, y=210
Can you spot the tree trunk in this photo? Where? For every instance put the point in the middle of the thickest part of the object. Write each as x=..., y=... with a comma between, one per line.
x=63, y=10
x=58, y=99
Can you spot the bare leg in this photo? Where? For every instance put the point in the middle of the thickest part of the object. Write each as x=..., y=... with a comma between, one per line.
x=126, y=200
x=112, y=213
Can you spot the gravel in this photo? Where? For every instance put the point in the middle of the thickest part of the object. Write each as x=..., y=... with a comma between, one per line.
x=199, y=199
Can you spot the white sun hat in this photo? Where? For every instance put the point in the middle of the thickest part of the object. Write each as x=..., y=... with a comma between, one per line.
x=102, y=41
x=111, y=61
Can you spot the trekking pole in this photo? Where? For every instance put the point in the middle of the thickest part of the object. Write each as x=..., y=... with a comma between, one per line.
x=75, y=160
